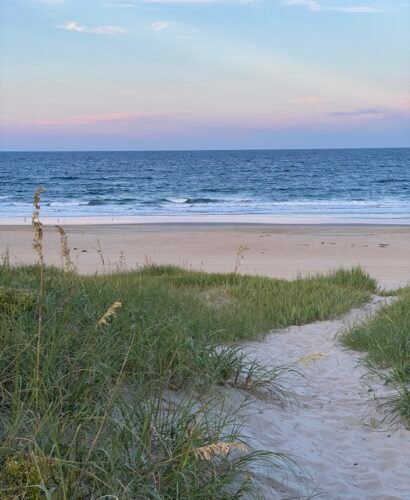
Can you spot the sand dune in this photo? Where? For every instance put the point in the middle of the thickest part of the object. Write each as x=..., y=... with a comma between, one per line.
x=333, y=432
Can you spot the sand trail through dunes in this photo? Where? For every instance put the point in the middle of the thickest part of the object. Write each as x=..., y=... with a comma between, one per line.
x=330, y=431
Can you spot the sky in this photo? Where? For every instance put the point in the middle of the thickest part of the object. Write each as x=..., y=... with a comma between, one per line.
x=204, y=74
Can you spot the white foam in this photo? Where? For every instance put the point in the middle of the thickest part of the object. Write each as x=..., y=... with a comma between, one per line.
x=177, y=200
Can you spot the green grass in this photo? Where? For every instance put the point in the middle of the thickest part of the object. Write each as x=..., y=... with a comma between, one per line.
x=125, y=408
x=386, y=339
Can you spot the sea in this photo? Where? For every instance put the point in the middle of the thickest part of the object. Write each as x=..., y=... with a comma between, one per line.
x=365, y=184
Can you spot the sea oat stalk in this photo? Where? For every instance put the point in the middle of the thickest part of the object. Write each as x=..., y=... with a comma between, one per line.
x=38, y=247
x=222, y=449
x=110, y=313
x=240, y=255
x=65, y=251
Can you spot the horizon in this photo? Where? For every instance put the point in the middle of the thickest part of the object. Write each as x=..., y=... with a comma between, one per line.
x=196, y=150
x=154, y=75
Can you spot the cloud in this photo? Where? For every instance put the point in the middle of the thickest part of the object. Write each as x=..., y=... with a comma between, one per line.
x=179, y=30
x=310, y=4
x=381, y=112
x=160, y=25
x=97, y=30
x=316, y=6
x=360, y=112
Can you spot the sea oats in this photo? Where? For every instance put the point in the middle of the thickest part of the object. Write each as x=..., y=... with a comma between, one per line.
x=38, y=247
x=240, y=255
x=208, y=452
x=110, y=313
x=65, y=251
x=37, y=226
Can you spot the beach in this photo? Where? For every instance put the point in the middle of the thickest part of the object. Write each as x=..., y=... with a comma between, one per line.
x=204, y=250
x=212, y=244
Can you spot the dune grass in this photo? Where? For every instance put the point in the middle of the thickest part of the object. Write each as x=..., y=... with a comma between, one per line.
x=112, y=392
x=386, y=340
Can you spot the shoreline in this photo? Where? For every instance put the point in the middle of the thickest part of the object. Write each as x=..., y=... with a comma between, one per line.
x=253, y=219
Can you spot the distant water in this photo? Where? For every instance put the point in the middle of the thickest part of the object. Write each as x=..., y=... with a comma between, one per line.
x=367, y=183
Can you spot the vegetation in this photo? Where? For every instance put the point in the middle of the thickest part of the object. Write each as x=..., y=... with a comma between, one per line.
x=386, y=339
x=92, y=404
x=105, y=380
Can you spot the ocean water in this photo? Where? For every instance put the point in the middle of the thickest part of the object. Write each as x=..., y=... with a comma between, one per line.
x=371, y=184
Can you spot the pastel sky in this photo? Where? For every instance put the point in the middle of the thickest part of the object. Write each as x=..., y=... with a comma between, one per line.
x=204, y=74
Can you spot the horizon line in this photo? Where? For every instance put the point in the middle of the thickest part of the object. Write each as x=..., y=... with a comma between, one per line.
x=199, y=150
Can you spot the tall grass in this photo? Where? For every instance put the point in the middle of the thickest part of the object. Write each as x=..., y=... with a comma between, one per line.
x=113, y=393
x=386, y=340
x=38, y=248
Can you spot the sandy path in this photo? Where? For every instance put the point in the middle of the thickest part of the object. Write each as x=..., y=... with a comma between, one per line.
x=327, y=432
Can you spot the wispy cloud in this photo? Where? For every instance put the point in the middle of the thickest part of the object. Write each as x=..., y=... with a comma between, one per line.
x=177, y=29
x=360, y=112
x=96, y=30
x=316, y=6
x=160, y=25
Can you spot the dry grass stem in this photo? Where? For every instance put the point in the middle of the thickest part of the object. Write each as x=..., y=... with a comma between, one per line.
x=110, y=313
x=222, y=449
x=38, y=247
x=5, y=257
x=240, y=255
x=65, y=251
x=37, y=226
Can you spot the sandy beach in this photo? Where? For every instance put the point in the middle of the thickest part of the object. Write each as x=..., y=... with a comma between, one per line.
x=205, y=250
x=281, y=250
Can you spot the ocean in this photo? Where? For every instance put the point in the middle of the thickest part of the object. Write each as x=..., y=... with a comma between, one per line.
x=370, y=184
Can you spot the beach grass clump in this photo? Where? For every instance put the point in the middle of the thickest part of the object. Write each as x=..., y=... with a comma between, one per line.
x=114, y=391
x=253, y=305
x=386, y=340
x=15, y=299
